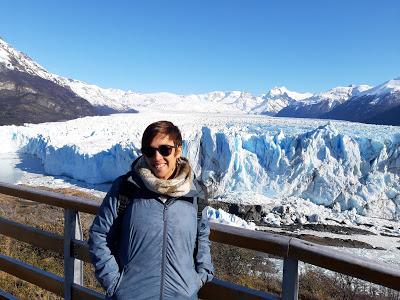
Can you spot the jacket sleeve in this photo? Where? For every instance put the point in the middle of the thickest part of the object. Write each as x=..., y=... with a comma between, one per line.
x=101, y=239
x=203, y=263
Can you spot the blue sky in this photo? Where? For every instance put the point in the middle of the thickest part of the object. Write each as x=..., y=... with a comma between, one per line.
x=201, y=46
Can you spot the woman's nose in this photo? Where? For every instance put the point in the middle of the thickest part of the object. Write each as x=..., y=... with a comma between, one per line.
x=158, y=156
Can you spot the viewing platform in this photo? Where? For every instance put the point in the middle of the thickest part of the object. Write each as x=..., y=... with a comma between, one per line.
x=74, y=251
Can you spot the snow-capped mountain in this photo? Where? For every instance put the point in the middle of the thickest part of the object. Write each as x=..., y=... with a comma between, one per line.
x=318, y=104
x=13, y=59
x=116, y=100
x=373, y=105
x=27, y=97
x=277, y=99
x=230, y=102
x=102, y=99
x=388, y=87
x=80, y=98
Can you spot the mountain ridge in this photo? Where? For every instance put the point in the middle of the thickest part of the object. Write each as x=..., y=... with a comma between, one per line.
x=116, y=100
x=278, y=101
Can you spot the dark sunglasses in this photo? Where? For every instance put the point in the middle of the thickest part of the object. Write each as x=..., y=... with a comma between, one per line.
x=164, y=150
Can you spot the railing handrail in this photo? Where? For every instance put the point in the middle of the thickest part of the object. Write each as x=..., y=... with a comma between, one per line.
x=308, y=252
x=50, y=198
x=289, y=248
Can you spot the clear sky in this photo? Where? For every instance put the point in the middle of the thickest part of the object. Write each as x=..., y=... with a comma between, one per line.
x=200, y=46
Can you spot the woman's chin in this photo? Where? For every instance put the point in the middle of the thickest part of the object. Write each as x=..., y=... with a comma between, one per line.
x=161, y=174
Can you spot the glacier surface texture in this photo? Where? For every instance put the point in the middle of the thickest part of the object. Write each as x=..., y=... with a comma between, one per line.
x=245, y=159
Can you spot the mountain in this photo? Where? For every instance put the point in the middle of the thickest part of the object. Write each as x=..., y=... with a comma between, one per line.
x=319, y=104
x=277, y=99
x=223, y=102
x=107, y=101
x=388, y=117
x=116, y=100
x=372, y=105
x=52, y=97
x=26, y=97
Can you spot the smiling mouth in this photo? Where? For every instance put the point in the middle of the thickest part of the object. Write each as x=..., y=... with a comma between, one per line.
x=160, y=166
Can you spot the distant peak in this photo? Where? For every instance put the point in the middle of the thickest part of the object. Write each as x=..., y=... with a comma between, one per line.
x=393, y=84
x=278, y=90
x=283, y=91
x=389, y=86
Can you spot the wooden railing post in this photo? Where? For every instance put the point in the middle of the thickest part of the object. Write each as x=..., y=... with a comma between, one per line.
x=290, y=282
x=73, y=268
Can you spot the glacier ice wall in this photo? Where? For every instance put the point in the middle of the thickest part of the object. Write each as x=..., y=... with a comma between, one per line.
x=324, y=165
x=70, y=161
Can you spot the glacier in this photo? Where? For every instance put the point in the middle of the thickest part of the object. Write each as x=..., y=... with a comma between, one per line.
x=341, y=166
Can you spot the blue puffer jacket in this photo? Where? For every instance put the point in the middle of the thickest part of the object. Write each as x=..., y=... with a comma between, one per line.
x=163, y=249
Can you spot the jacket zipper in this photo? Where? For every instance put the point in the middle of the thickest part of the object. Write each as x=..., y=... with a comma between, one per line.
x=164, y=249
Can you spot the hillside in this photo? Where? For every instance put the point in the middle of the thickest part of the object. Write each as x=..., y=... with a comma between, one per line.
x=26, y=98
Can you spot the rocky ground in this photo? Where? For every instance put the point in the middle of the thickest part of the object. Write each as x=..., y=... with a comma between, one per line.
x=255, y=214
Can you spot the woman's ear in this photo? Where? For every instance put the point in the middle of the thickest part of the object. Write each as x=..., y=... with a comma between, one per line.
x=178, y=152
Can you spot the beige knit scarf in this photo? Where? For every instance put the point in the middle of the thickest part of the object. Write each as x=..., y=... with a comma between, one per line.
x=175, y=187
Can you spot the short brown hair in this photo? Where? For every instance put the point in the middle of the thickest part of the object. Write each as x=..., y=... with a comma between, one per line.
x=161, y=127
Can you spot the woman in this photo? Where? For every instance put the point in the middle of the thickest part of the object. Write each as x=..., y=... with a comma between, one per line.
x=148, y=240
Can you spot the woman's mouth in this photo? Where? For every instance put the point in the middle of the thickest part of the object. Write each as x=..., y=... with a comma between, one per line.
x=159, y=166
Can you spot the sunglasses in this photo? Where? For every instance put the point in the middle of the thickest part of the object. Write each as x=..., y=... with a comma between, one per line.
x=164, y=150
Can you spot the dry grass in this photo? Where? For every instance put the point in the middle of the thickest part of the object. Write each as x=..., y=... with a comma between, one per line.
x=245, y=267
x=47, y=218
x=314, y=283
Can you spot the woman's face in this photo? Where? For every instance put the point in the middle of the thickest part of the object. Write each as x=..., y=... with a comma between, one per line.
x=163, y=166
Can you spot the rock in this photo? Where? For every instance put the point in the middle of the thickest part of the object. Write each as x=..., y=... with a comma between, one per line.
x=314, y=218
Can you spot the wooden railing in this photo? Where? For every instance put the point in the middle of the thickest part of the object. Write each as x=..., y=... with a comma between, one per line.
x=75, y=252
